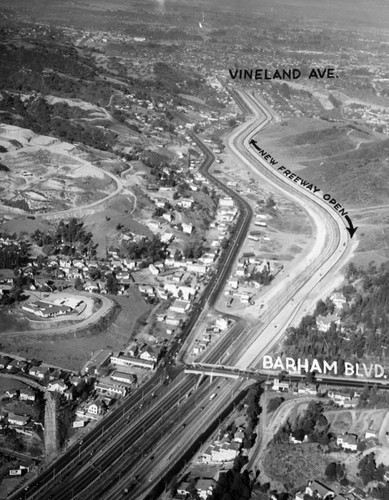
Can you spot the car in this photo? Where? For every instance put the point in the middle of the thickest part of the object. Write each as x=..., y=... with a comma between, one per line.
x=184, y=425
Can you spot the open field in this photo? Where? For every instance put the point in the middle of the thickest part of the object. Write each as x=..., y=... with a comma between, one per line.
x=294, y=464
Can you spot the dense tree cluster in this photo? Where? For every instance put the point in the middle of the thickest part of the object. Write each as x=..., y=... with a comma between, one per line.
x=368, y=470
x=69, y=238
x=14, y=253
x=253, y=412
x=147, y=250
x=365, y=321
x=312, y=424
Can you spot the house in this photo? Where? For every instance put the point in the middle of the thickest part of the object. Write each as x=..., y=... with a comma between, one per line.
x=91, y=287
x=282, y=386
x=338, y=299
x=69, y=393
x=239, y=435
x=205, y=487
x=27, y=394
x=323, y=323
x=154, y=271
x=97, y=407
x=320, y=489
x=132, y=349
x=13, y=366
x=57, y=386
x=12, y=393
x=186, y=202
x=149, y=354
x=222, y=323
x=347, y=442
x=75, y=380
x=38, y=372
x=196, y=267
x=4, y=362
x=182, y=489
x=370, y=433
x=233, y=283
x=187, y=228
x=180, y=306
x=14, y=419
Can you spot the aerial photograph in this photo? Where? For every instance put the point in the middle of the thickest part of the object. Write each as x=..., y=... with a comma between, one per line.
x=194, y=249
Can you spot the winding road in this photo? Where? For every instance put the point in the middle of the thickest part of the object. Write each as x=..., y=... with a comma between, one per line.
x=127, y=454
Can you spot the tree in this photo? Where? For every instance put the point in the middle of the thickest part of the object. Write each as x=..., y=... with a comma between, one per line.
x=274, y=403
x=331, y=471
x=112, y=284
x=270, y=203
x=78, y=285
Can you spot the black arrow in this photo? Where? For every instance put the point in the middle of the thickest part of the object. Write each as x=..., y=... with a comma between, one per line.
x=254, y=143
x=350, y=229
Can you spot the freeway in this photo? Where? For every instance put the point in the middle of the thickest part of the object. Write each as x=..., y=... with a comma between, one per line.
x=80, y=452
x=118, y=449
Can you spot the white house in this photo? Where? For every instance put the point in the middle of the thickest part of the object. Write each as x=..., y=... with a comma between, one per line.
x=324, y=322
x=347, y=442
x=96, y=408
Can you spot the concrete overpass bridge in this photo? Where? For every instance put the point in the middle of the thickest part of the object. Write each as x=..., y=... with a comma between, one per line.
x=223, y=371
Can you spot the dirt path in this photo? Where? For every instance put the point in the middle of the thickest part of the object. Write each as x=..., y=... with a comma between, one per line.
x=269, y=424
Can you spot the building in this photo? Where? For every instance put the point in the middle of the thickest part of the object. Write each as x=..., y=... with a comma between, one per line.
x=187, y=228
x=110, y=389
x=99, y=360
x=123, y=360
x=180, y=306
x=338, y=299
x=205, y=487
x=149, y=354
x=154, y=271
x=347, y=442
x=321, y=490
x=27, y=394
x=57, y=386
x=323, y=323
x=14, y=419
x=96, y=408
x=46, y=309
x=126, y=378
x=38, y=372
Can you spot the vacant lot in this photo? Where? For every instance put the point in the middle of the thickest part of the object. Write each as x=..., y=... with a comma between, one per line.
x=295, y=464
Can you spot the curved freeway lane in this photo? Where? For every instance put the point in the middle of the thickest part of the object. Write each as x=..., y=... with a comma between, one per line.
x=88, y=481
x=287, y=299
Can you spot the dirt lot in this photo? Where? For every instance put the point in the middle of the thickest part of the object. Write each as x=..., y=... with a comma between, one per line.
x=295, y=464
x=47, y=174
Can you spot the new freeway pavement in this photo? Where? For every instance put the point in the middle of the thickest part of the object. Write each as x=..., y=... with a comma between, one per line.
x=136, y=445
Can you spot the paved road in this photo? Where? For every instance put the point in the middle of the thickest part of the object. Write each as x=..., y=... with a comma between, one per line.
x=126, y=458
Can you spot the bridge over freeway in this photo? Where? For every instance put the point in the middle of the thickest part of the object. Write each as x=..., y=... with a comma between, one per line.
x=263, y=375
x=223, y=371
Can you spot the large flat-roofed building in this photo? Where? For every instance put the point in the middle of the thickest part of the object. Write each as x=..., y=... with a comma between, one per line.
x=98, y=360
x=126, y=378
x=122, y=360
